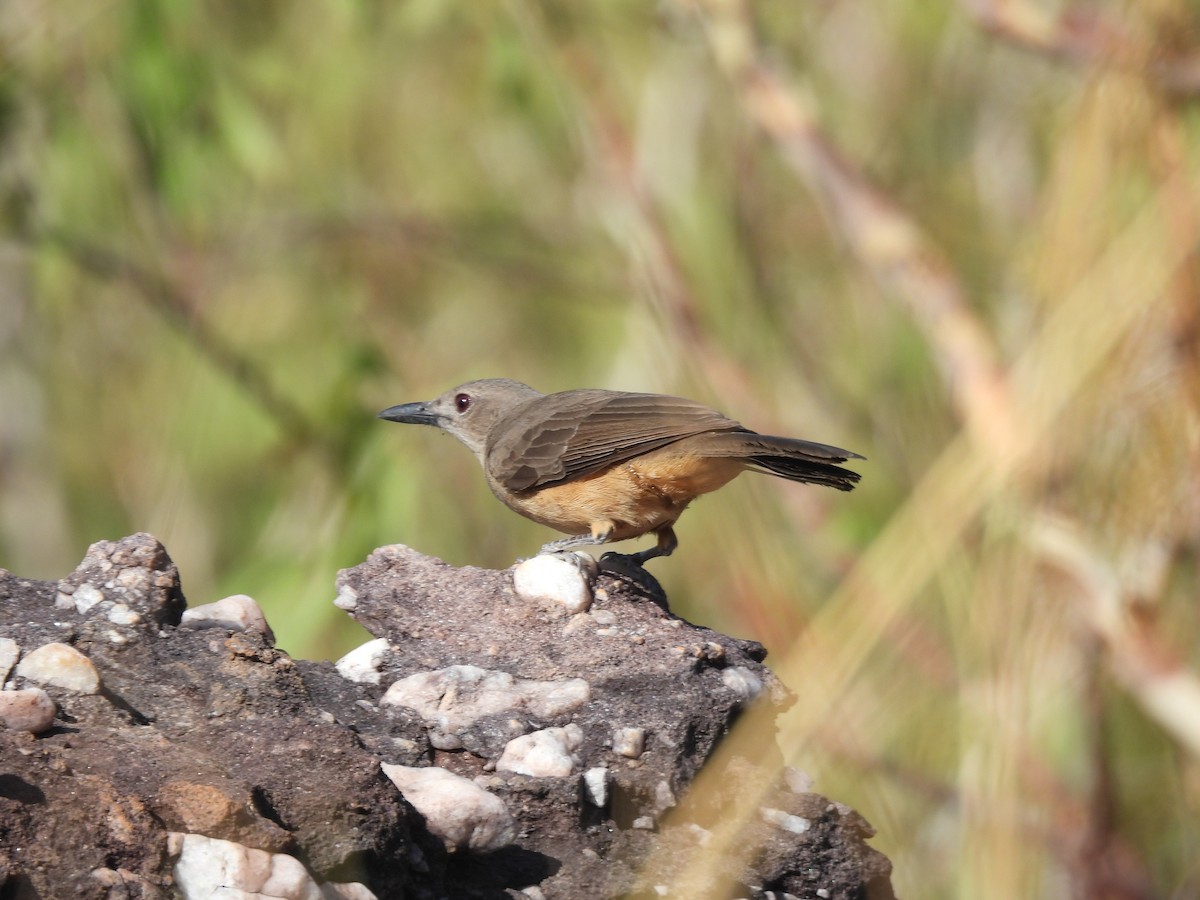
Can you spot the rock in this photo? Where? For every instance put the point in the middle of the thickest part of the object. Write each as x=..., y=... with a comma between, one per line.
x=362, y=664
x=236, y=613
x=271, y=761
x=458, y=811
x=27, y=710
x=562, y=578
x=62, y=666
x=549, y=752
x=135, y=571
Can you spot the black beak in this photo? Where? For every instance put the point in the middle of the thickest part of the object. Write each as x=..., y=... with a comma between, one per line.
x=411, y=414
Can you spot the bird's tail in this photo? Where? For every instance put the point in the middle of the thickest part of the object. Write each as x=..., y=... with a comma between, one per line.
x=789, y=458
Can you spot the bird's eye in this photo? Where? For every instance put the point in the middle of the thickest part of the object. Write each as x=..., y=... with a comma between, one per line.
x=462, y=402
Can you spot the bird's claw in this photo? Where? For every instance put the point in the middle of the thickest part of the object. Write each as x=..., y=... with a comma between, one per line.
x=628, y=568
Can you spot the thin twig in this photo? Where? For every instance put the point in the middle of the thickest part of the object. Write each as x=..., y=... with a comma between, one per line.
x=1141, y=657
x=887, y=242
x=1082, y=36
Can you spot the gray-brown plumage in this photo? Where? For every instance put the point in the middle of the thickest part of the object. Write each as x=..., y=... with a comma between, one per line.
x=609, y=465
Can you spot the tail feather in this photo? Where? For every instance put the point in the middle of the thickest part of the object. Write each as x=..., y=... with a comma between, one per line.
x=789, y=458
x=805, y=470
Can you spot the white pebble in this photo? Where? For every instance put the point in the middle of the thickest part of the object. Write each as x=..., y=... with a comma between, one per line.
x=453, y=698
x=362, y=664
x=744, y=683
x=823, y=893
x=629, y=742
x=595, y=783
x=350, y=890
x=209, y=868
x=9, y=651
x=458, y=811
x=556, y=578
x=785, y=820
x=546, y=753
x=643, y=823
x=60, y=665
x=605, y=617
x=797, y=780
x=664, y=797
x=236, y=613
x=347, y=598
x=120, y=614
x=85, y=597
x=578, y=622
x=30, y=709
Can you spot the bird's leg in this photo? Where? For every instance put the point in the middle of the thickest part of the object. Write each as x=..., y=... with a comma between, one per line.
x=629, y=567
x=667, y=542
x=600, y=534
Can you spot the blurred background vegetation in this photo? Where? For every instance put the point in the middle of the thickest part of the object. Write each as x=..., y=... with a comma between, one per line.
x=959, y=238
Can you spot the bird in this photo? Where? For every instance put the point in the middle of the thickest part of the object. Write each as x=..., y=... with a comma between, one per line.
x=602, y=466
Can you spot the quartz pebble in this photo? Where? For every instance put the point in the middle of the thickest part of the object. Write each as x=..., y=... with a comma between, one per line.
x=85, y=597
x=785, y=820
x=60, y=665
x=120, y=614
x=744, y=683
x=347, y=598
x=629, y=742
x=664, y=797
x=236, y=613
x=458, y=811
x=351, y=890
x=595, y=783
x=605, y=617
x=9, y=651
x=549, y=752
x=560, y=578
x=453, y=698
x=209, y=867
x=30, y=709
x=797, y=780
x=362, y=664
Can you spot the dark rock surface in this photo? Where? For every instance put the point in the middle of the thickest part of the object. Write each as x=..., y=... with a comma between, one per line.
x=207, y=731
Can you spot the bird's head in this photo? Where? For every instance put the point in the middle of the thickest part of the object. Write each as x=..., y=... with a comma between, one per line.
x=469, y=411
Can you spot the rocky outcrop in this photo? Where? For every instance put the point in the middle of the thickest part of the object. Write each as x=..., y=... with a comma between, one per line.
x=487, y=743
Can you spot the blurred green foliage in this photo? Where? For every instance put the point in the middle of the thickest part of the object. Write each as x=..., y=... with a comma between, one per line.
x=233, y=232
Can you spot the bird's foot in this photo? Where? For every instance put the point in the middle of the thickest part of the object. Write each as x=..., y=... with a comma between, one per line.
x=584, y=562
x=628, y=569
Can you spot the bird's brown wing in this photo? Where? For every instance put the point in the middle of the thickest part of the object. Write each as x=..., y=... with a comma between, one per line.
x=574, y=433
